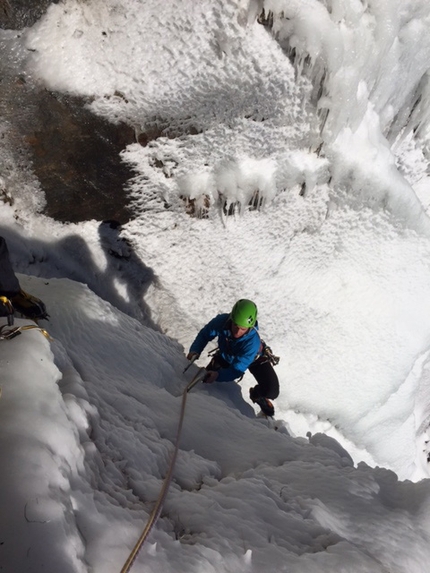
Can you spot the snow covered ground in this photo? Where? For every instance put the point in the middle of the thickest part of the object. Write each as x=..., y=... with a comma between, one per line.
x=337, y=259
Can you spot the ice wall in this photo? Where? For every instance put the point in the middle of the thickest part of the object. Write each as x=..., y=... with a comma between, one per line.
x=369, y=65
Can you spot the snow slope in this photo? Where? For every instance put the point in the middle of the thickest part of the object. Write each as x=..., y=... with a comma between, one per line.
x=88, y=439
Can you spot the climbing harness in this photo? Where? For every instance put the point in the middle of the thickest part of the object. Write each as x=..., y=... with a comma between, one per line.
x=265, y=354
x=155, y=514
x=193, y=359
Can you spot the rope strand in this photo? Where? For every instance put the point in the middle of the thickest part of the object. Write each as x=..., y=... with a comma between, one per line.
x=155, y=514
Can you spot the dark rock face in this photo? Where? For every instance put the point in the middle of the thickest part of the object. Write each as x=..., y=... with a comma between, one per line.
x=18, y=14
x=74, y=154
x=76, y=159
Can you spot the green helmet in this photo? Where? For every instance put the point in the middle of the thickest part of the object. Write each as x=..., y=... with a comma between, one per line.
x=244, y=313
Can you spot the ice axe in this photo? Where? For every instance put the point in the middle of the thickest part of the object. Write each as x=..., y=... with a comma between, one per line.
x=193, y=359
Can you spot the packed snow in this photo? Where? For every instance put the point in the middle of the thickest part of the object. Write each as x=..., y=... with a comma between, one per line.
x=290, y=167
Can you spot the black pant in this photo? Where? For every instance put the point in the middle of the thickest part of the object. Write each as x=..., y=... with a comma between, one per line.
x=266, y=377
x=263, y=372
x=9, y=284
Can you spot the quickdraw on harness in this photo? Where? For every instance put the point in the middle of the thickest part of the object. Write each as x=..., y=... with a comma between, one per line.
x=8, y=331
x=268, y=355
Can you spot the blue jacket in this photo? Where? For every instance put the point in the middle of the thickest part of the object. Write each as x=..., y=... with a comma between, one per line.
x=240, y=353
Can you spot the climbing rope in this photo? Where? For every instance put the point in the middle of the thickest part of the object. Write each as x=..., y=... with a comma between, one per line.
x=155, y=514
x=7, y=332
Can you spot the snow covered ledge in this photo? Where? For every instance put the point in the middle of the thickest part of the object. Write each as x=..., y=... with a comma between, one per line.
x=40, y=452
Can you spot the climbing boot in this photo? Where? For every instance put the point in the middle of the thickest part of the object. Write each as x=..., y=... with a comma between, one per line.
x=29, y=305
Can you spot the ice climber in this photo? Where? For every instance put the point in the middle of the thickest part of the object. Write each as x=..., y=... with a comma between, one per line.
x=12, y=297
x=239, y=348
